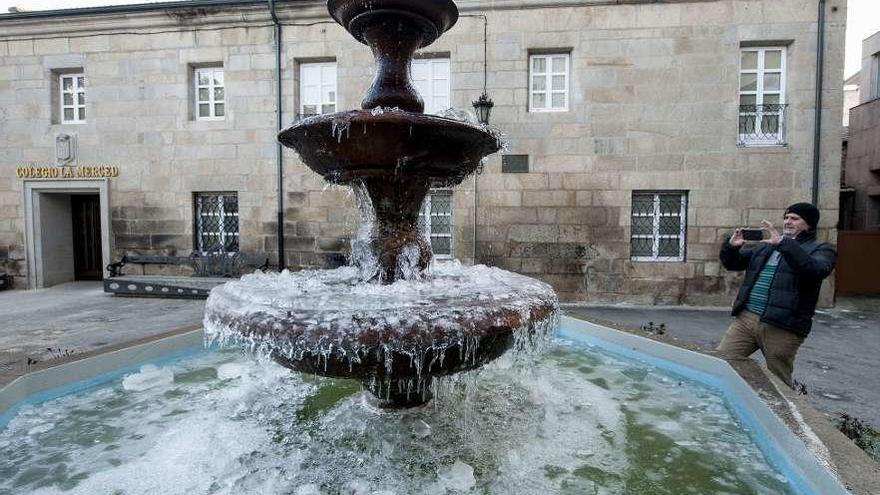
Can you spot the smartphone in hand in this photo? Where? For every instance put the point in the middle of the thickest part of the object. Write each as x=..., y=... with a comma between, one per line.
x=753, y=234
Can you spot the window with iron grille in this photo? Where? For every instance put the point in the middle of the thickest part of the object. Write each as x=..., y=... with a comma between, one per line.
x=762, y=96
x=210, y=92
x=435, y=219
x=430, y=76
x=659, y=226
x=73, y=98
x=317, y=88
x=216, y=222
x=548, y=80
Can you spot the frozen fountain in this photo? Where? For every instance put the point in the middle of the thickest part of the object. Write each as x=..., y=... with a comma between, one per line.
x=394, y=320
x=598, y=412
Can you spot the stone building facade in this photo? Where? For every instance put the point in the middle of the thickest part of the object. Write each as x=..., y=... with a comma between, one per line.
x=862, y=165
x=638, y=133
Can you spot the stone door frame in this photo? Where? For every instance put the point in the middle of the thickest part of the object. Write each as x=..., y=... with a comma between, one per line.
x=33, y=232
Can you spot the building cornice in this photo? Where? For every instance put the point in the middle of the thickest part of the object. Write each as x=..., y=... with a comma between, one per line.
x=182, y=16
x=483, y=5
x=196, y=14
x=126, y=8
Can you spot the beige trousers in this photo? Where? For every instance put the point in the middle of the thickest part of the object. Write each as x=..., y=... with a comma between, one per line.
x=747, y=334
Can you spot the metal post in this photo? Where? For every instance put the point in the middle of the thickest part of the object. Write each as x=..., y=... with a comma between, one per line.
x=817, y=133
x=278, y=152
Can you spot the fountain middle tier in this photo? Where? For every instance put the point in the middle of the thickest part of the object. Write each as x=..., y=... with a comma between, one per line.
x=393, y=338
x=349, y=146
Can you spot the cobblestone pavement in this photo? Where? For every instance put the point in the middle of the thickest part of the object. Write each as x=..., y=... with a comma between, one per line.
x=79, y=317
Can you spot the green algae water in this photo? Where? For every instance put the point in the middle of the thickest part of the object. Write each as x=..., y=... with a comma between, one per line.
x=572, y=420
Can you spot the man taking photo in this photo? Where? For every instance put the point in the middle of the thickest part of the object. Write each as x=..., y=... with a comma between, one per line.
x=775, y=305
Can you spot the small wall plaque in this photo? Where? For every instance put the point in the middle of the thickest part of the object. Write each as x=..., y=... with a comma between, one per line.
x=65, y=149
x=515, y=164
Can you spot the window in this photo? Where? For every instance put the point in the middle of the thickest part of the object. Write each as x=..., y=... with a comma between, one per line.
x=548, y=77
x=210, y=93
x=431, y=78
x=435, y=220
x=73, y=98
x=872, y=220
x=762, y=96
x=317, y=88
x=216, y=221
x=659, y=224
x=875, y=61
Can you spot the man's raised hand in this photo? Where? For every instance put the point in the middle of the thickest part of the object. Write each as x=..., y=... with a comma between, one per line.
x=736, y=240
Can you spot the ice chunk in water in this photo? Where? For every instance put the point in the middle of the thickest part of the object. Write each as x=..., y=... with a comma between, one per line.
x=421, y=429
x=356, y=487
x=310, y=489
x=43, y=428
x=150, y=376
x=459, y=476
x=227, y=371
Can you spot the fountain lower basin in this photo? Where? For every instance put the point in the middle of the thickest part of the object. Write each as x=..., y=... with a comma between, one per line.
x=220, y=423
x=394, y=338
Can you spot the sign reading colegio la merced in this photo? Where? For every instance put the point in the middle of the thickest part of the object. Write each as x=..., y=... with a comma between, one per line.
x=38, y=172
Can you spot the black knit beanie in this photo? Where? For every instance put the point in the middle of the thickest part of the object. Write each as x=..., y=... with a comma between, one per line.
x=807, y=211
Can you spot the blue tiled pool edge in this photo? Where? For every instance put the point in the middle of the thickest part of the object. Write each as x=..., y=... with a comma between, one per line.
x=74, y=376
x=785, y=451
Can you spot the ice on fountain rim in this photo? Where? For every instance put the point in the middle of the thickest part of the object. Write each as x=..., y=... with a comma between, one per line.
x=333, y=314
x=341, y=121
x=329, y=292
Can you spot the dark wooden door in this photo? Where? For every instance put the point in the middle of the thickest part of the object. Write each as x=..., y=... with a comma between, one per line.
x=86, y=213
x=857, y=269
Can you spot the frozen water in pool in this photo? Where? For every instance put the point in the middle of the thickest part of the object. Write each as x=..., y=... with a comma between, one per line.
x=572, y=420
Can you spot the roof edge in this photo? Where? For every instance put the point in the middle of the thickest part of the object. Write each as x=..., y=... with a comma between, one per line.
x=128, y=8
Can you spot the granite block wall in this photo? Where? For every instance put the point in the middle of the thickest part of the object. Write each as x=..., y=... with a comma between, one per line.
x=653, y=106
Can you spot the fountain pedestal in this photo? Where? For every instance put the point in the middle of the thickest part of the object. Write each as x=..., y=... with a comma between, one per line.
x=400, y=246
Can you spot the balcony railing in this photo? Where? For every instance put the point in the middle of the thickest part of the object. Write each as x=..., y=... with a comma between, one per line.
x=762, y=125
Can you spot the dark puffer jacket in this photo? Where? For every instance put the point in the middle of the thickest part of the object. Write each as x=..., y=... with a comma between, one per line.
x=803, y=264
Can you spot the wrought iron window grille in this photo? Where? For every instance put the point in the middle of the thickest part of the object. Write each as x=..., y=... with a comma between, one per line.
x=435, y=221
x=762, y=125
x=216, y=222
x=658, y=227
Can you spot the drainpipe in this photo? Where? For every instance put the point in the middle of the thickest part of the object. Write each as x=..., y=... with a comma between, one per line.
x=817, y=133
x=278, y=154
